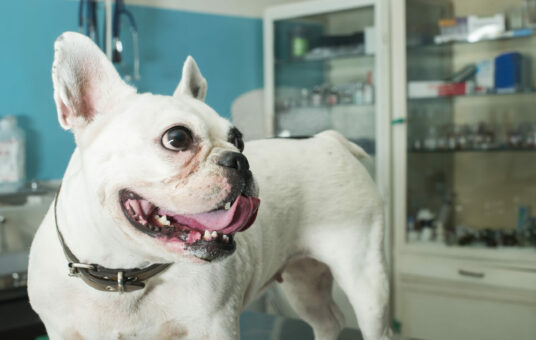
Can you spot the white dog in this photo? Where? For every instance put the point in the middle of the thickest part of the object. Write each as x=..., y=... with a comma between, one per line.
x=147, y=238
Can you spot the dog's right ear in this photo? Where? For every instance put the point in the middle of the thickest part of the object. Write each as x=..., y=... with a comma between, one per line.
x=85, y=81
x=192, y=82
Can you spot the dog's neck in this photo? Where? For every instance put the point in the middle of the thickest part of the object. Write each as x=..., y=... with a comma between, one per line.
x=89, y=232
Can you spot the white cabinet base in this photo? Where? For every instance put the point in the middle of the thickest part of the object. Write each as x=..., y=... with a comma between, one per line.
x=435, y=309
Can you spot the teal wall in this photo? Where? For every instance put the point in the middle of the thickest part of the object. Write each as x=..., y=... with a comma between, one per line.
x=228, y=50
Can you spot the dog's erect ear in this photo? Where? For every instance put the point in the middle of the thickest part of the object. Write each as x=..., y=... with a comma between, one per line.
x=85, y=82
x=192, y=82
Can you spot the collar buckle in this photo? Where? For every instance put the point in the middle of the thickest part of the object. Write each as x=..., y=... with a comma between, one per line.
x=106, y=279
x=74, y=268
x=120, y=282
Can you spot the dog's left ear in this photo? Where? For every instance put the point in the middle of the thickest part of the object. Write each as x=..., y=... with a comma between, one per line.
x=192, y=82
x=86, y=83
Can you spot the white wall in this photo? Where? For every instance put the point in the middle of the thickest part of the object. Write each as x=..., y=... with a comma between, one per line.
x=247, y=8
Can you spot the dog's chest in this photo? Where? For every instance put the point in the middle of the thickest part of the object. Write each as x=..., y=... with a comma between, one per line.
x=162, y=330
x=167, y=309
x=120, y=317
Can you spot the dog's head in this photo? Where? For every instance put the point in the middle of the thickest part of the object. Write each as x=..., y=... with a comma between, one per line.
x=167, y=169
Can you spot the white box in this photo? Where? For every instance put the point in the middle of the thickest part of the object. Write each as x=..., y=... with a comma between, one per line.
x=424, y=89
x=485, y=74
x=479, y=28
x=370, y=40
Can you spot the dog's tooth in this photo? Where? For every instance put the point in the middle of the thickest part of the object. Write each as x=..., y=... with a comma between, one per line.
x=214, y=234
x=225, y=238
x=163, y=220
x=227, y=205
x=207, y=236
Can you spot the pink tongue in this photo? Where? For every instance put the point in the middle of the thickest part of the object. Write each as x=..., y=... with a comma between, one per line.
x=142, y=209
x=239, y=217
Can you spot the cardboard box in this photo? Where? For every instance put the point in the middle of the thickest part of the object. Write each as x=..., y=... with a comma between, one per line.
x=485, y=74
x=434, y=89
x=479, y=28
x=424, y=89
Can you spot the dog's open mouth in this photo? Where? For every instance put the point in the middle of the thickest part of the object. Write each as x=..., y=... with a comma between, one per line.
x=207, y=235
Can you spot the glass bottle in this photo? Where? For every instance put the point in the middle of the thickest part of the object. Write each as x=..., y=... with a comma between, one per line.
x=12, y=155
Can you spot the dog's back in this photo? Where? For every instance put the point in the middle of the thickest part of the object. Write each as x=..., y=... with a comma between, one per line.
x=321, y=217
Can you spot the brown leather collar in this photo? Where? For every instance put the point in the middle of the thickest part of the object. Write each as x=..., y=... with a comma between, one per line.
x=106, y=279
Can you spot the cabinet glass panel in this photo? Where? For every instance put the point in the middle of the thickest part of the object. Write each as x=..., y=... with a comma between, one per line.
x=324, y=75
x=471, y=124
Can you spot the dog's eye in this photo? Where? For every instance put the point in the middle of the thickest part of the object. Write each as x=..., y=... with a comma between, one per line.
x=178, y=138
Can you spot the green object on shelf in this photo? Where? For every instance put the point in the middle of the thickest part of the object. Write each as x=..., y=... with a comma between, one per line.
x=398, y=121
x=300, y=46
x=42, y=337
x=397, y=326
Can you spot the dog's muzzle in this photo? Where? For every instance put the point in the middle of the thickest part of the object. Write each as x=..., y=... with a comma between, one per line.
x=206, y=235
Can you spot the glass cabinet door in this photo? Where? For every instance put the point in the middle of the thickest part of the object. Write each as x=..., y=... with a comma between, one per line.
x=326, y=66
x=471, y=125
x=324, y=73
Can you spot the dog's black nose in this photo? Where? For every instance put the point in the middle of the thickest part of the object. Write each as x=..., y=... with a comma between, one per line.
x=234, y=160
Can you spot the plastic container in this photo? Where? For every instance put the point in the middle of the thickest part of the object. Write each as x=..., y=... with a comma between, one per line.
x=12, y=155
x=299, y=42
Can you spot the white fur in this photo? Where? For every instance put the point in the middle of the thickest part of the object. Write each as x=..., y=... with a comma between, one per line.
x=320, y=217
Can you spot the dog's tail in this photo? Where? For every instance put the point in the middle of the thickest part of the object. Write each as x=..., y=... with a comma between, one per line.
x=356, y=150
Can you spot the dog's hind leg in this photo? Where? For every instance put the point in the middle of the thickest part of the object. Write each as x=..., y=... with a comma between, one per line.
x=307, y=285
x=357, y=263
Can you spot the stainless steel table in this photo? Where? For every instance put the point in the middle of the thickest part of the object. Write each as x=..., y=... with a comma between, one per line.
x=260, y=326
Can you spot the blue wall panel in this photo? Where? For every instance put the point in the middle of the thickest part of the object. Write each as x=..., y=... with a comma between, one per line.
x=227, y=49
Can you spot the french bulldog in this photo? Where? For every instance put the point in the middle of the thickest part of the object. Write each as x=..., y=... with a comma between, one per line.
x=166, y=225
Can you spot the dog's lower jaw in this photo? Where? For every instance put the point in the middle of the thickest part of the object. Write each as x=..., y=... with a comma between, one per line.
x=207, y=251
x=203, y=251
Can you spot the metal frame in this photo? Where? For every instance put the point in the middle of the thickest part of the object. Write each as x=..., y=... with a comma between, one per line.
x=381, y=71
x=403, y=252
x=399, y=159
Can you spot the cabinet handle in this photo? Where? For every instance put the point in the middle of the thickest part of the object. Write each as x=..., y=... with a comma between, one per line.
x=476, y=275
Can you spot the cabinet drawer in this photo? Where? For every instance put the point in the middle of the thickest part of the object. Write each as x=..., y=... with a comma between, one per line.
x=438, y=311
x=467, y=271
x=19, y=223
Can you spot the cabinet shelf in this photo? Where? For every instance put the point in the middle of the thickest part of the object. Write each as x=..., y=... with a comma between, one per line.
x=322, y=59
x=508, y=35
x=413, y=151
x=474, y=95
x=325, y=107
